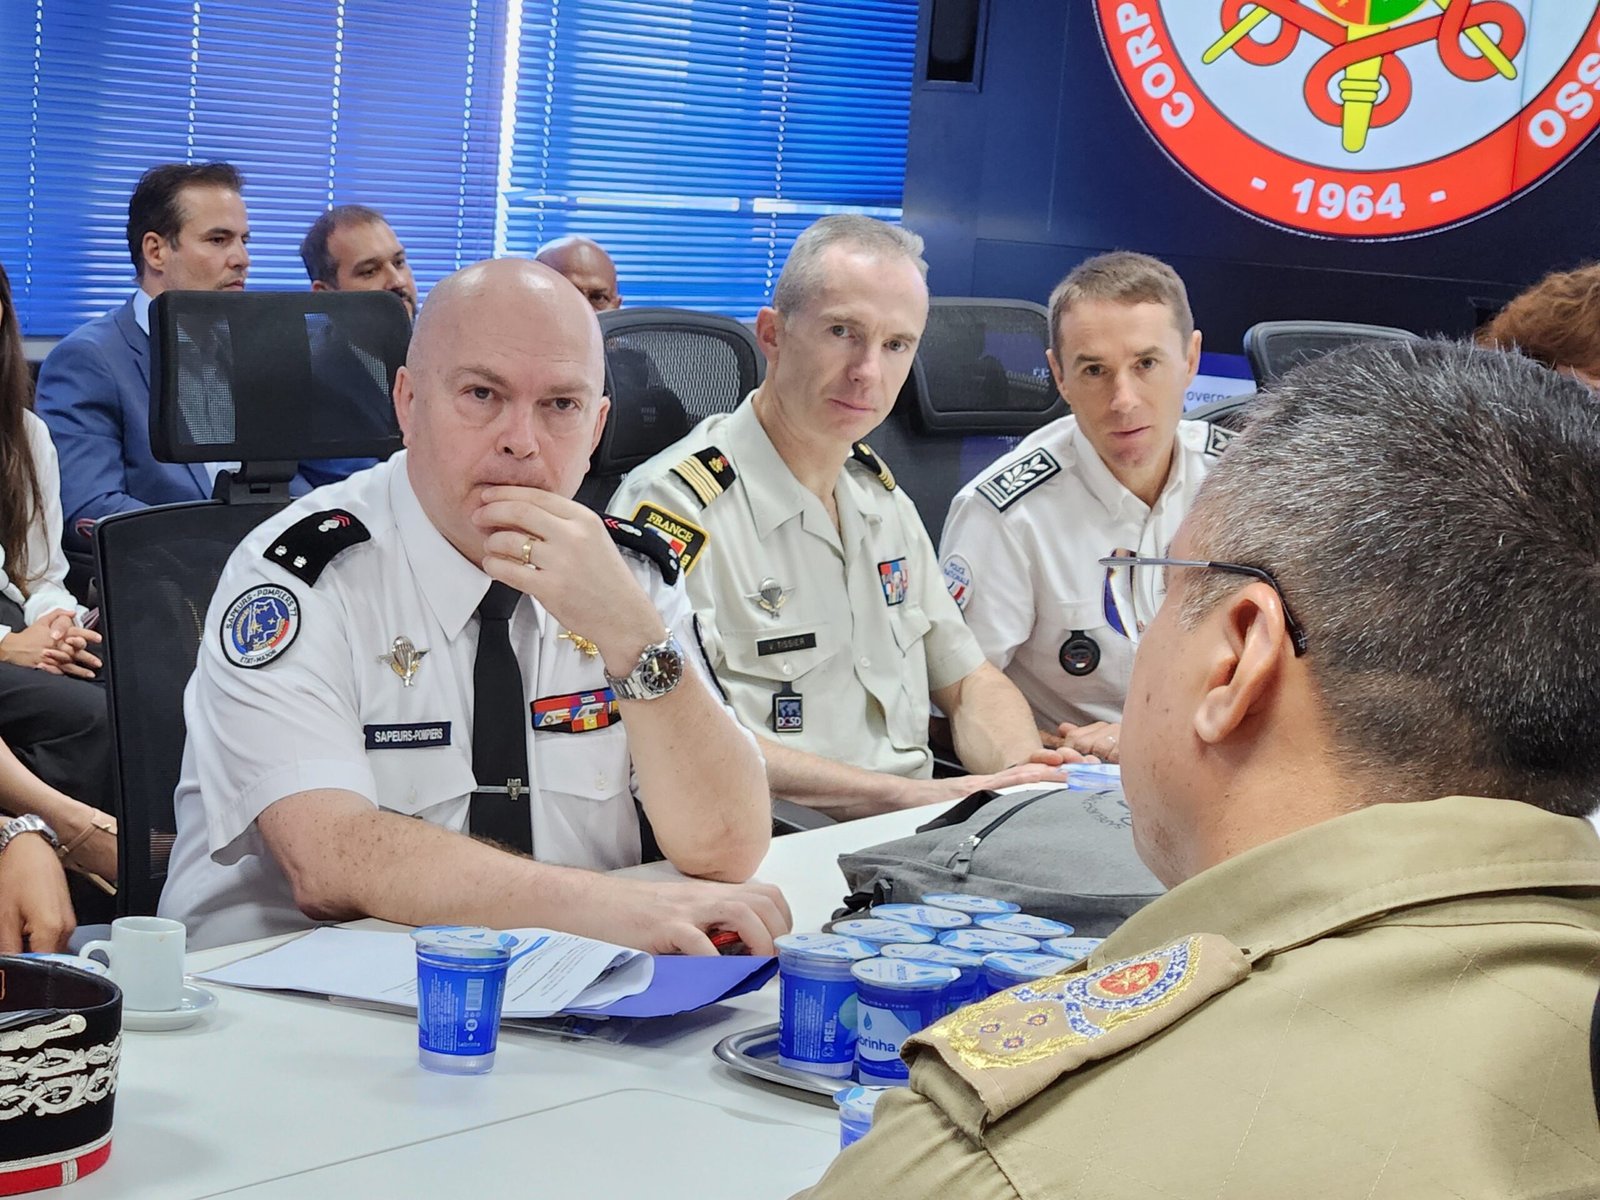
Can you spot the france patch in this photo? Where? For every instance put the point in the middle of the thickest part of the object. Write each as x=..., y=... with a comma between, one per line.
x=895, y=578
x=260, y=625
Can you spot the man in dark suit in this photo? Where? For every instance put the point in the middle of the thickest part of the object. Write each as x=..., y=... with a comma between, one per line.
x=187, y=230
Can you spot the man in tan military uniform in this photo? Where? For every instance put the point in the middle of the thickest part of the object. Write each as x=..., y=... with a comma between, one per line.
x=1353, y=989
x=821, y=602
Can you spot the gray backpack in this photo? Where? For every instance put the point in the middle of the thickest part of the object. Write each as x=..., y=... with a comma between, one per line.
x=1058, y=852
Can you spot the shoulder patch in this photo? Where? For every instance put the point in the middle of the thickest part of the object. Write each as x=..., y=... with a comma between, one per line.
x=958, y=579
x=862, y=453
x=647, y=543
x=707, y=472
x=259, y=625
x=1012, y=1046
x=311, y=543
x=1010, y=484
x=1217, y=439
x=686, y=538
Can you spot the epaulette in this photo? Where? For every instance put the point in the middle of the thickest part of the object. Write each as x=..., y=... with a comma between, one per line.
x=311, y=543
x=1012, y=1046
x=707, y=472
x=647, y=543
x=1010, y=484
x=862, y=453
x=1217, y=439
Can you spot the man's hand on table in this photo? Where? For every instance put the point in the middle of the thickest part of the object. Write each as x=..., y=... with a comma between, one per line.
x=1045, y=768
x=674, y=917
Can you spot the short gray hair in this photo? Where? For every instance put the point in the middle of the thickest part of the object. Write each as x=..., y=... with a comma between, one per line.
x=1432, y=512
x=801, y=279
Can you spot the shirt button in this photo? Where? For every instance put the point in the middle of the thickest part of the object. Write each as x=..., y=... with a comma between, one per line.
x=865, y=661
x=788, y=668
x=599, y=783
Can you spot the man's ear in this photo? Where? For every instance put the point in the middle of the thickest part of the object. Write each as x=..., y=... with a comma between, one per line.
x=318, y=285
x=600, y=421
x=1193, y=359
x=769, y=329
x=154, y=248
x=405, y=398
x=1055, y=372
x=1248, y=668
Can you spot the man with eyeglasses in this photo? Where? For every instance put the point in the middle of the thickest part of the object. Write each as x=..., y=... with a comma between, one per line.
x=1360, y=743
x=1020, y=546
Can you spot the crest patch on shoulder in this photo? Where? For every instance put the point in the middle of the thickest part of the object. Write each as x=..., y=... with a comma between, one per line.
x=1010, y=484
x=1014, y=1044
x=311, y=543
x=1217, y=439
x=260, y=625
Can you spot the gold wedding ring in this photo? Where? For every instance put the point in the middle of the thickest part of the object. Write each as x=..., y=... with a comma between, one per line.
x=527, y=552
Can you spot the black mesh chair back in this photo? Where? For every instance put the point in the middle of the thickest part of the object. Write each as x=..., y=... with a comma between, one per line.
x=274, y=376
x=1274, y=347
x=980, y=382
x=667, y=369
x=158, y=568
x=981, y=368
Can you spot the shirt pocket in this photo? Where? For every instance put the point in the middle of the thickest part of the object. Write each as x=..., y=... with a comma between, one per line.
x=421, y=782
x=910, y=625
x=779, y=653
x=592, y=765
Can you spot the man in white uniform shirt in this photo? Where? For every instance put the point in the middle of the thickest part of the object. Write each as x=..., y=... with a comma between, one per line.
x=340, y=686
x=1021, y=544
x=816, y=584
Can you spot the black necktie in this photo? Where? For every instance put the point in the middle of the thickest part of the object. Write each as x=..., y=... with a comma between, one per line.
x=500, y=810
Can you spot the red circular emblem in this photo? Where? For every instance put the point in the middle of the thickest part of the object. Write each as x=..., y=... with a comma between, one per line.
x=1130, y=980
x=1361, y=118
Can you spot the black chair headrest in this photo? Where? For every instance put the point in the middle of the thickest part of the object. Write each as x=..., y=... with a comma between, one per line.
x=981, y=369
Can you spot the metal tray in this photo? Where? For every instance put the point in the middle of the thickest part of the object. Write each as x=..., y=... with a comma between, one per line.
x=755, y=1053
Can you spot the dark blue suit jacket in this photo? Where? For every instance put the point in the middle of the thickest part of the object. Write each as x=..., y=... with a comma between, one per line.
x=94, y=394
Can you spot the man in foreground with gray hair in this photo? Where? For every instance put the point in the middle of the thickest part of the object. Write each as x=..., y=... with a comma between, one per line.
x=823, y=610
x=1361, y=736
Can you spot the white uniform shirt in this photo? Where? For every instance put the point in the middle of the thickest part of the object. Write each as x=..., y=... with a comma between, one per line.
x=862, y=626
x=1020, y=551
x=47, y=562
x=323, y=707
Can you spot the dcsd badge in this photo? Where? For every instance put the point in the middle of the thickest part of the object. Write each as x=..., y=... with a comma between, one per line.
x=260, y=625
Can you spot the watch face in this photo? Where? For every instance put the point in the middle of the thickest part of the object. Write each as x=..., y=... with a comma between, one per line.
x=661, y=671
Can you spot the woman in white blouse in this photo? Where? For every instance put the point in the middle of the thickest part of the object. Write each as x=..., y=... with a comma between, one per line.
x=54, y=742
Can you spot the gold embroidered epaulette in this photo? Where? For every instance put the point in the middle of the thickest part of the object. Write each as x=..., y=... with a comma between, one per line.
x=1011, y=1046
x=862, y=453
x=707, y=472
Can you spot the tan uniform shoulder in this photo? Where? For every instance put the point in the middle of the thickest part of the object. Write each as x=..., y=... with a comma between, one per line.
x=1005, y=1050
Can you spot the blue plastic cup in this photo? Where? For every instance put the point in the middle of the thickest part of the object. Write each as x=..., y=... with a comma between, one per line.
x=894, y=999
x=461, y=983
x=964, y=990
x=1026, y=924
x=988, y=941
x=817, y=1001
x=1093, y=777
x=1072, y=948
x=973, y=906
x=924, y=916
x=1002, y=971
x=855, y=1112
x=879, y=931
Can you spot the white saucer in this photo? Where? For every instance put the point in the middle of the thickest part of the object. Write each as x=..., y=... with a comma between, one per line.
x=196, y=1003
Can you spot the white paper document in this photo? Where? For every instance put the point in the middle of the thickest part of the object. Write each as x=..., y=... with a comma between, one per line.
x=554, y=971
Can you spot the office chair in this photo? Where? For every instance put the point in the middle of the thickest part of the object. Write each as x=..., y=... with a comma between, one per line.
x=667, y=369
x=979, y=382
x=1273, y=347
x=265, y=379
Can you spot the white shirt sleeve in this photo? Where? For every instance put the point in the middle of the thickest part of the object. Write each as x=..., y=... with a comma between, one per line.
x=999, y=605
x=49, y=589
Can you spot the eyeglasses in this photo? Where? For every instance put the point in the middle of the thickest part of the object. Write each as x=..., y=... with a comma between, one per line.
x=1131, y=597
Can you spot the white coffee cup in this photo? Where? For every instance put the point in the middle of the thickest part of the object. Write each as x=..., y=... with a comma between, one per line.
x=146, y=959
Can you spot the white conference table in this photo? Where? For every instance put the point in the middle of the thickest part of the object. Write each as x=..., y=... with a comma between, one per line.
x=277, y=1095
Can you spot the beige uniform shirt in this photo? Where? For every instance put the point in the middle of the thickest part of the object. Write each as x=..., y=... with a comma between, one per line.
x=1409, y=1021
x=826, y=640
x=1021, y=551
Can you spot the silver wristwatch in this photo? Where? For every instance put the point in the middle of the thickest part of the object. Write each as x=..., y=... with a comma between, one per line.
x=27, y=823
x=658, y=671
